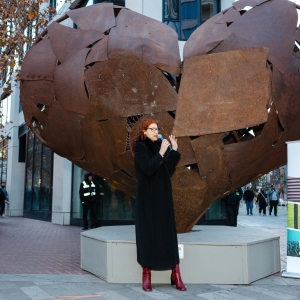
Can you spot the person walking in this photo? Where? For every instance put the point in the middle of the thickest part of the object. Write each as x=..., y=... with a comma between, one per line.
x=232, y=202
x=262, y=201
x=2, y=202
x=248, y=197
x=155, y=227
x=273, y=200
x=89, y=198
x=3, y=199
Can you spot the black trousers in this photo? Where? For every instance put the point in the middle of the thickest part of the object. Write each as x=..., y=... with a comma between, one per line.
x=273, y=204
x=2, y=207
x=232, y=213
x=92, y=207
x=262, y=209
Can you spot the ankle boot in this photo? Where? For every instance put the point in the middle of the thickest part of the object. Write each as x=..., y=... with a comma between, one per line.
x=147, y=280
x=176, y=279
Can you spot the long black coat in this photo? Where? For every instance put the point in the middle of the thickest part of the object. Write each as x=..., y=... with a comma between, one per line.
x=156, y=237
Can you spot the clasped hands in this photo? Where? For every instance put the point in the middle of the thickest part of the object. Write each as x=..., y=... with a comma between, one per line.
x=165, y=144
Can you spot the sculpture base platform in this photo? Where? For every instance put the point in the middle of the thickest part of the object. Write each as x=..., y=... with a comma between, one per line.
x=209, y=255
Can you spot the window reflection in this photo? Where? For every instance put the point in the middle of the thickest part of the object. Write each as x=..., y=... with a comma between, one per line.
x=113, y=204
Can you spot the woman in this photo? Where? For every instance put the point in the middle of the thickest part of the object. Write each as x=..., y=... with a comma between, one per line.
x=156, y=237
x=262, y=201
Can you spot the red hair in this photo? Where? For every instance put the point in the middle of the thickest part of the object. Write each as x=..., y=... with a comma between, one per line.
x=137, y=133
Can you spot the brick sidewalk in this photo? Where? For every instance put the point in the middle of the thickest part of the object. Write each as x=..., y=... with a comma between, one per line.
x=35, y=247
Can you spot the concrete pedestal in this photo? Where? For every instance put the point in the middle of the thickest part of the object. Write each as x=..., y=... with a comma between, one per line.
x=210, y=255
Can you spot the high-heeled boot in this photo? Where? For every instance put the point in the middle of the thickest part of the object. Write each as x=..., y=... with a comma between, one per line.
x=176, y=279
x=147, y=280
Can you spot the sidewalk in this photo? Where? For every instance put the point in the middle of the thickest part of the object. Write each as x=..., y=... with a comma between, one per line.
x=41, y=261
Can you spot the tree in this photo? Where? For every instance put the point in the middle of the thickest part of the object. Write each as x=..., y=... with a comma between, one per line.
x=20, y=23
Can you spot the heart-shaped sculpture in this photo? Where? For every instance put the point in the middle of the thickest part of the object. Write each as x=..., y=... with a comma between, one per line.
x=83, y=89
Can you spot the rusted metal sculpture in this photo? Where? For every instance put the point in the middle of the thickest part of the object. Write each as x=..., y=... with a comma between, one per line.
x=83, y=89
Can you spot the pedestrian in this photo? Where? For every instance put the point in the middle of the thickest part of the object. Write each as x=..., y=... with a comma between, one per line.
x=3, y=199
x=89, y=196
x=262, y=201
x=273, y=200
x=156, y=236
x=248, y=197
x=232, y=202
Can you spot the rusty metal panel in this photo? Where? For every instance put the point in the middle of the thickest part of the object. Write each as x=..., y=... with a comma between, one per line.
x=222, y=80
x=233, y=42
x=209, y=154
x=99, y=17
x=97, y=146
x=63, y=132
x=298, y=35
x=239, y=5
x=241, y=158
x=114, y=134
x=145, y=38
x=285, y=93
x=186, y=150
x=124, y=87
x=125, y=161
x=66, y=41
x=98, y=52
x=204, y=39
x=279, y=21
x=39, y=62
x=191, y=196
x=124, y=183
x=69, y=84
x=40, y=92
x=229, y=16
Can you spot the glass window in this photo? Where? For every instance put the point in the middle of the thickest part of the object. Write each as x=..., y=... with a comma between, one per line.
x=113, y=204
x=36, y=180
x=46, y=182
x=185, y=16
x=216, y=211
x=29, y=165
x=38, y=185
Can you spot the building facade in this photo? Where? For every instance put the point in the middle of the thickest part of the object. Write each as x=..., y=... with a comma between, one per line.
x=45, y=186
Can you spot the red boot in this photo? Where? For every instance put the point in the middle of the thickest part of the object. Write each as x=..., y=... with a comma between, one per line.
x=147, y=280
x=176, y=279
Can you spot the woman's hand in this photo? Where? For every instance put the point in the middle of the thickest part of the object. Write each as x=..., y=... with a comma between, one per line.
x=173, y=141
x=164, y=147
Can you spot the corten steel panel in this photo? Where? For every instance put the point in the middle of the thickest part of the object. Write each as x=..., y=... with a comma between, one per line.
x=97, y=151
x=205, y=38
x=285, y=93
x=229, y=16
x=66, y=41
x=39, y=62
x=233, y=42
x=191, y=196
x=125, y=161
x=123, y=87
x=114, y=132
x=40, y=92
x=212, y=168
x=278, y=19
x=238, y=81
x=98, y=52
x=145, y=38
x=239, y=5
x=241, y=157
x=298, y=35
x=124, y=183
x=69, y=84
x=63, y=132
x=186, y=150
x=99, y=17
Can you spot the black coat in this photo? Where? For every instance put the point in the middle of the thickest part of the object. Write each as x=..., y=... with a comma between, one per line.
x=156, y=237
x=262, y=199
